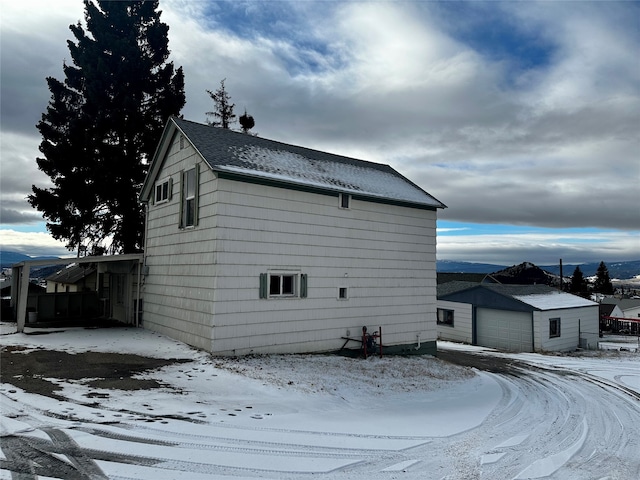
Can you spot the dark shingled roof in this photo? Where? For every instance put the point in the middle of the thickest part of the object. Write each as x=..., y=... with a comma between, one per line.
x=241, y=155
x=72, y=274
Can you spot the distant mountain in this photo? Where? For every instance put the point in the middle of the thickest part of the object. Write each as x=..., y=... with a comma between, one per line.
x=8, y=258
x=466, y=267
x=525, y=274
x=619, y=270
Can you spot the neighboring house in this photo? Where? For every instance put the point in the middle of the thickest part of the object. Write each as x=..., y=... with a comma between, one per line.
x=524, y=318
x=624, y=316
x=629, y=307
x=609, y=310
x=256, y=246
x=73, y=278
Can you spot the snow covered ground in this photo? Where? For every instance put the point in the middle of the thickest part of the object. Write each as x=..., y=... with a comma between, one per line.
x=563, y=417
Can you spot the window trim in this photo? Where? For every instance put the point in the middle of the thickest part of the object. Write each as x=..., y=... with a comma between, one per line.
x=342, y=289
x=298, y=287
x=557, y=333
x=184, y=199
x=282, y=283
x=445, y=312
x=168, y=181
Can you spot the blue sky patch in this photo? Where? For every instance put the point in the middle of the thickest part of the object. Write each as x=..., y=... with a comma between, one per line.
x=277, y=21
x=493, y=32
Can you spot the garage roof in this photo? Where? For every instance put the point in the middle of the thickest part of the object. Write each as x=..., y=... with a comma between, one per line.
x=539, y=297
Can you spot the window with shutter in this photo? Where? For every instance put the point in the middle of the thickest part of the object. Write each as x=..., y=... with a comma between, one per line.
x=283, y=285
x=189, y=198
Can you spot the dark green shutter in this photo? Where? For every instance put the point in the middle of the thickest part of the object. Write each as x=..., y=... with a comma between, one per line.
x=303, y=285
x=263, y=285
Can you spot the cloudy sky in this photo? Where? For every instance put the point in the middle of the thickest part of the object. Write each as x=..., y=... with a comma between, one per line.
x=522, y=117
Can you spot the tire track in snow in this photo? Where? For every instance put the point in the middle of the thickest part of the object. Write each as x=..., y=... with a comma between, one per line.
x=556, y=422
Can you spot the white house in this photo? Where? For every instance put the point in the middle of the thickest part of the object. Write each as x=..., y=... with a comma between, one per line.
x=524, y=318
x=625, y=307
x=256, y=246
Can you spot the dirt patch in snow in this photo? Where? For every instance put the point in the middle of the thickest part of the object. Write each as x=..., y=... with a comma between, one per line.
x=35, y=371
x=331, y=373
x=487, y=363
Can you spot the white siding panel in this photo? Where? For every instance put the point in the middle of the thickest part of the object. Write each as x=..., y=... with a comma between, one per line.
x=386, y=261
x=462, y=329
x=575, y=323
x=178, y=290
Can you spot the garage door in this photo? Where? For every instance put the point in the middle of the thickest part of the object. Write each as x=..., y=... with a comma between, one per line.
x=503, y=329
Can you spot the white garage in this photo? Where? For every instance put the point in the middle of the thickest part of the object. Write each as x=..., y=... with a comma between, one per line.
x=522, y=318
x=504, y=329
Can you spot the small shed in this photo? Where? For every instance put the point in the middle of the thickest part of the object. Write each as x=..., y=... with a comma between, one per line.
x=523, y=318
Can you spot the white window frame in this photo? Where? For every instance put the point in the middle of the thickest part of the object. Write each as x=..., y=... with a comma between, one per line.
x=280, y=276
x=558, y=330
x=343, y=289
x=344, y=201
x=188, y=199
x=164, y=188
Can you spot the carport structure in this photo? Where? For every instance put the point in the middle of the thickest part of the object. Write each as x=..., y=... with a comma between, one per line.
x=522, y=318
x=124, y=273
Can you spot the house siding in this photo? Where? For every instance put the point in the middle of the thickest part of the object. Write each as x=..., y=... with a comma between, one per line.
x=178, y=289
x=383, y=254
x=462, y=330
x=575, y=323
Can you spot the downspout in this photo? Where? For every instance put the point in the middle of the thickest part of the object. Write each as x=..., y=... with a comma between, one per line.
x=138, y=302
x=144, y=258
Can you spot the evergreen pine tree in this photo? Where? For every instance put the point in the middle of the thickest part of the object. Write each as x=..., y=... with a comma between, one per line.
x=603, y=282
x=578, y=283
x=102, y=125
x=223, y=115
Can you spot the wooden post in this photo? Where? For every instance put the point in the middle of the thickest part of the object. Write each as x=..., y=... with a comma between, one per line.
x=23, y=294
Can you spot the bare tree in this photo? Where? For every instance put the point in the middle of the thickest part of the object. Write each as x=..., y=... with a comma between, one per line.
x=223, y=114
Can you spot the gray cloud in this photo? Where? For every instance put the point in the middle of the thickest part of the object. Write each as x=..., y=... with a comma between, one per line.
x=497, y=139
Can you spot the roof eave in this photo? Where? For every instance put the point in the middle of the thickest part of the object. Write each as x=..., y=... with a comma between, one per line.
x=283, y=183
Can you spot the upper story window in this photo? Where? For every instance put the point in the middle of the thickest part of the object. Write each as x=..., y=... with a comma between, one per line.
x=189, y=198
x=163, y=190
x=345, y=200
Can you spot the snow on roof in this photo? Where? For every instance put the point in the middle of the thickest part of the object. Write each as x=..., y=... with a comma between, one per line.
x=242, y=154
x=554, y=300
